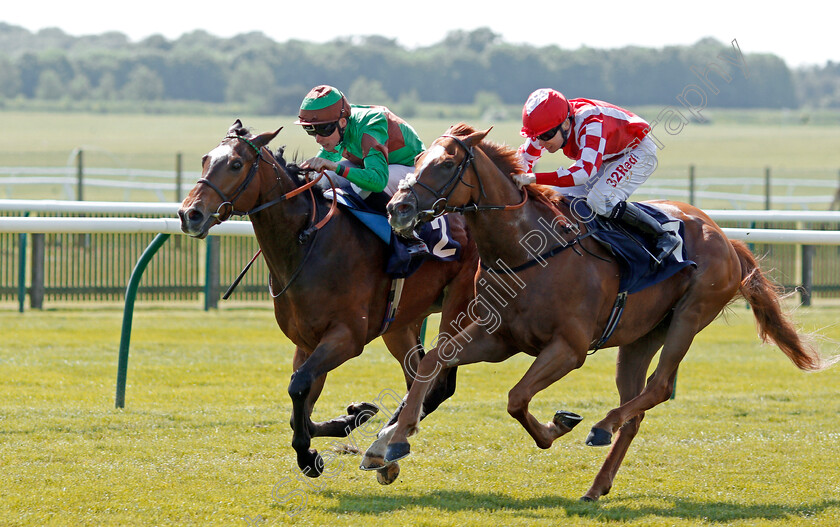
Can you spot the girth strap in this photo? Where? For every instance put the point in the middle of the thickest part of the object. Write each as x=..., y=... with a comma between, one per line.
x=394, y=297
x=612, y=322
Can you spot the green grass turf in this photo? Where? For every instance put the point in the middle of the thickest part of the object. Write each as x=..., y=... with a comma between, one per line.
x=204, y=438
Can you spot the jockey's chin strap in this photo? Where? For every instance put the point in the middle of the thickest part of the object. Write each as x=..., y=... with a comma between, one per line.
x=226, y=209
x=440, y=205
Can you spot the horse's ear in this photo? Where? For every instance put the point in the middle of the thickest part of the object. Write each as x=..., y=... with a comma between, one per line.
x=237, y=125
x=477, y=137
x=264, y=138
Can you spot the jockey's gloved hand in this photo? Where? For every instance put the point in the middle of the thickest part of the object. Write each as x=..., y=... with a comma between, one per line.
x=524, y=179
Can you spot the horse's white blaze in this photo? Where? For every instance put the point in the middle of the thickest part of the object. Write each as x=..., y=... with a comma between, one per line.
x=435, y=153
x=220, y=152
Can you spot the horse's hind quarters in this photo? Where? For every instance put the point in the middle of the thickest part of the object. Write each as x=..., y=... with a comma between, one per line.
x=598, y=437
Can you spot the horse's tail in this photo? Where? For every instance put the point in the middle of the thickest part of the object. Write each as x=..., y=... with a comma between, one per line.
x=765, y=297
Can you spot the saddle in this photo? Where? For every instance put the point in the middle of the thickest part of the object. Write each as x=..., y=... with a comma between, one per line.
x=632, y=249
x=634, y=252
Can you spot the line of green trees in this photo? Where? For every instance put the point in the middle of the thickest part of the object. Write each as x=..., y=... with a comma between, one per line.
x=467, y=66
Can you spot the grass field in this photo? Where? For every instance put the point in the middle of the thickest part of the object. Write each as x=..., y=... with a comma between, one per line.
x=151, y=141
x=204, y=438
x=735, y=144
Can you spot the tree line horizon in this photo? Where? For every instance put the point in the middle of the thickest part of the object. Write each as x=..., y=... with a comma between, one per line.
x=466, y=67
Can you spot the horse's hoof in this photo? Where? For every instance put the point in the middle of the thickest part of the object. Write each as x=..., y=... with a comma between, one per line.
x=372, y=462
x=587, y=499
x=567, y=419
x=312, y=464
x=397, y=451
x=598, y=437
x=387, y=475
x=365, y=409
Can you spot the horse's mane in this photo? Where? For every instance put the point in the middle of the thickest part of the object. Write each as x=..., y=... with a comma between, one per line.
x=508, y=161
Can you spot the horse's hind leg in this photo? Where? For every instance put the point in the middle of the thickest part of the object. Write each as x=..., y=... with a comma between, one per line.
x=631, y=368
x=693, y=312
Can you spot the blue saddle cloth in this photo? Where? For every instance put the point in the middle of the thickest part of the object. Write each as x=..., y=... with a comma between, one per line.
x=637, y=271
x=436, y=234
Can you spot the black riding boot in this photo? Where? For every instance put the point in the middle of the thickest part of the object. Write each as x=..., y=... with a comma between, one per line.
x=666, y=241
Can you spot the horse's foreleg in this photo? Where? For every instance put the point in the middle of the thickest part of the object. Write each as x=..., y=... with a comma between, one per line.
x=631, y=367
x=444, y=387
x=552, y=364
x=304, y=387
x=410, y=412
x=472, y=345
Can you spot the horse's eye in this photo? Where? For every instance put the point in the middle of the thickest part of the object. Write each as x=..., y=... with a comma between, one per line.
x=236, y=165
x=448, y=164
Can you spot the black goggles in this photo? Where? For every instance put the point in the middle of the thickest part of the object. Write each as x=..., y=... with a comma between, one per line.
x=323, y=129
x=546, y=136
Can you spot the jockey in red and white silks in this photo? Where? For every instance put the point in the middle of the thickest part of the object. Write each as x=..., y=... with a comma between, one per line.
x=612, y=153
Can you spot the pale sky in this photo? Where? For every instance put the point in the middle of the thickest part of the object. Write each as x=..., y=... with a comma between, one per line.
x=801, y=33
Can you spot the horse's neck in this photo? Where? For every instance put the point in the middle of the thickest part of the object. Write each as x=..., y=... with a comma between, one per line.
x=518, y=236
x=499, y=234
x=278, y=226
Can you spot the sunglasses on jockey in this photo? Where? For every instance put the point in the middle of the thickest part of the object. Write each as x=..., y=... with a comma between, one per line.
x=323, y=129
x=547, y=136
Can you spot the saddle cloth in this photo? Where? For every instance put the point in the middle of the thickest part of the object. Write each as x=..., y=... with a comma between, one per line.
x=632, y=249
x=436, y=234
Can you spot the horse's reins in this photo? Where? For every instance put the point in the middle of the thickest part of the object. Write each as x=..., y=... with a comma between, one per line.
x=229, y=211
x=440, y=207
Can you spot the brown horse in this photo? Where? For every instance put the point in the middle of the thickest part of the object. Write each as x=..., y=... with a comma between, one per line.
x=328, y=280
x=557, y=309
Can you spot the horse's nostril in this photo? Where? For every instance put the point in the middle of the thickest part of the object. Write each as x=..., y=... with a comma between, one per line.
x=194, y=215
x=403, y=209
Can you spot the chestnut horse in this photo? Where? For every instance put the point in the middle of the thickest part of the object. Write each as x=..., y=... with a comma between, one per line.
x=558, y=310
x=328, y=280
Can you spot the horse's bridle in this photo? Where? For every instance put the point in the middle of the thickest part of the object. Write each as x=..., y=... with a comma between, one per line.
x=226, y=208
x=227, y=203
x=303, y=237
x=440, y=206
